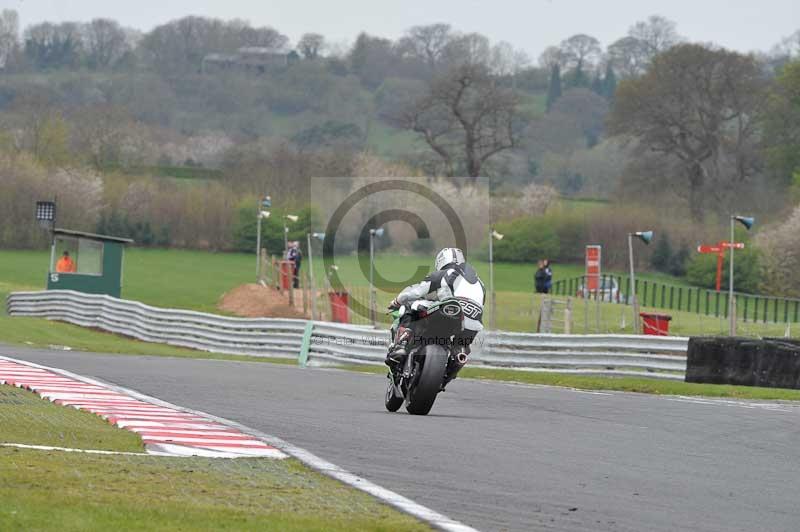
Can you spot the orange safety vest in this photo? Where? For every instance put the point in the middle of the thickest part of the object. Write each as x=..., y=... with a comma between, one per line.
x=65, y=265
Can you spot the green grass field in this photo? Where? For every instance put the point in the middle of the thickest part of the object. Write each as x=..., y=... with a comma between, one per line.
x=59, y=491
x=195, y=280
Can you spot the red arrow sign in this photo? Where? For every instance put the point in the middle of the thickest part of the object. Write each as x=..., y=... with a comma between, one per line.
x=735, y=245
x=709, y=249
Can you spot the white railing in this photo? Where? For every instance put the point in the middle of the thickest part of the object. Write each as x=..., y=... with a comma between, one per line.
x=332, y=343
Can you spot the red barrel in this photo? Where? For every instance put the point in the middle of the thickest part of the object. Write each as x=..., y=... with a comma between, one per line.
x=340, y=312
x=287, y=274
x=655, y=324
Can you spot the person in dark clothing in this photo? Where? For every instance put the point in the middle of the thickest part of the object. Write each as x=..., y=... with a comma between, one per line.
x=296, y=256
x=540, y=278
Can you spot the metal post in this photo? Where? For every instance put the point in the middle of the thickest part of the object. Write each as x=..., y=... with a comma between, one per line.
x=731, y=303
x=492, y=299
x=311, y=279
x=285, y=237
x=372, y=276
x=633, y=287
x=258, y=243
x=568, y=317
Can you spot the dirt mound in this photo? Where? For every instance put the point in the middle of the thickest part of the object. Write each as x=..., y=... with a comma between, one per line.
x=256, y=301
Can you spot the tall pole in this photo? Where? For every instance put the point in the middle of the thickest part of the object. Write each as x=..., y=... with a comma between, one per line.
x=632, y=290
x=285, y=237
x=258, y=243
x=492, y=322
x=731, y=302
x=311, y=279
x=371, y=276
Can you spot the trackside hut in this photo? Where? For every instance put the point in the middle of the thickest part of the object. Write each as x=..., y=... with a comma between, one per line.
x=92, y=264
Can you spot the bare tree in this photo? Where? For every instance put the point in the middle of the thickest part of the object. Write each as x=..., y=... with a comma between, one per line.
x=551, y=57
x=53, y=45
x=9, y=35
x=311, y=45
x=465, y=118
x=580, y=51
x=467, y=49
x=656, y=34
x=699, y=107
x=628, y=57
x=426, y=43
x=105, y=43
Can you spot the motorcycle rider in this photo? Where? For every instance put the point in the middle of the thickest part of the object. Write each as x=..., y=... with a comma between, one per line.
x=453, y=278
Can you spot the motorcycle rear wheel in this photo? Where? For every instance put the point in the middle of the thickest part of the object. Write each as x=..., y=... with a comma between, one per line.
x=422, y=395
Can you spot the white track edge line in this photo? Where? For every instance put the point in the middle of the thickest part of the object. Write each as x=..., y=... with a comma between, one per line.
x=71, y=450
x=404, y=504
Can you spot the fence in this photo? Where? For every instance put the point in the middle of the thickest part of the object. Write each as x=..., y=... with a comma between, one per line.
x=319, y=342
x=749, y=307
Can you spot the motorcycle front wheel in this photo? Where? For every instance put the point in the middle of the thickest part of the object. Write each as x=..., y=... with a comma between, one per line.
x=393, y=402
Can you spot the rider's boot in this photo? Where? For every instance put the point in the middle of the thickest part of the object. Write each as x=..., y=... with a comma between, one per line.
x=454, y=365
x=398, y=350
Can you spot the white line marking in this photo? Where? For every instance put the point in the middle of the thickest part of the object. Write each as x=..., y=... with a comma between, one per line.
x=70, y=450
x=391, y=498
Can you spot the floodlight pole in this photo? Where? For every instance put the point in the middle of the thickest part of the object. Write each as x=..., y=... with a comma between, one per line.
x=258, y=242
x=372, y=276
x=632, y=289
x=731, y=301
x=53, y=235
x=311, y=279
x=492, y=299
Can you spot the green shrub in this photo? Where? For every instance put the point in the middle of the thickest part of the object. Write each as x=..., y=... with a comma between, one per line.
x=245, y=229
x=526, y=240
x=702, y=270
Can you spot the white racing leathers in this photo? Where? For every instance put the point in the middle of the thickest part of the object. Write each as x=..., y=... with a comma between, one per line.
x=456, y=280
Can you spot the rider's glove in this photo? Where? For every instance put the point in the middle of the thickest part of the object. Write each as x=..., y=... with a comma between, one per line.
x=394, y=305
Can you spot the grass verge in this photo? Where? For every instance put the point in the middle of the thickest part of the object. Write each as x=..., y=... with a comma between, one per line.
x=72, y=492
x=622, y=384
x=58, y=491
x=27, y=418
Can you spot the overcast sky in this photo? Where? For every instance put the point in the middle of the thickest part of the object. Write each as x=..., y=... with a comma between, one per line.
x=532, y=25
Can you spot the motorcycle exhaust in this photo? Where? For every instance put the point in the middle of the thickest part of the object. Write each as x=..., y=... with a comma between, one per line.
x=461, y=358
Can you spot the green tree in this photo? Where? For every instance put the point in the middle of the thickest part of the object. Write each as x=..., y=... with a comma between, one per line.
x=782, y=124
x=609, y=83
x=526, y=240
x=701, y=270
x=700, y=108
x=554, y=90
x=661, y=258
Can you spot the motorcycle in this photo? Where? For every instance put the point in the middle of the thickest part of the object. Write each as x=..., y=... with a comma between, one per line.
x=433, y=356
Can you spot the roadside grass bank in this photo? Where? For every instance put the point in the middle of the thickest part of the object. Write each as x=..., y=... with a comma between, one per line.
x=621, y=384
x=27, y=418
x=59, y=491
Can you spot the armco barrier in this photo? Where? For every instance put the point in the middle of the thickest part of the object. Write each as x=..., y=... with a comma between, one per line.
x=334, y=343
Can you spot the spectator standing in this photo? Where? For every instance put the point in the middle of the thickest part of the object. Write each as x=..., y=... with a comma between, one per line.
x=296, y=256
x=540, y=278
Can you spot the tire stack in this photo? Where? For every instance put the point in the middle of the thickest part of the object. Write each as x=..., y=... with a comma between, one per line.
x=768, y=362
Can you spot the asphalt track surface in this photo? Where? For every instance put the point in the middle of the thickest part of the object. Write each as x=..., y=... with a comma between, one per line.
x=506, y=457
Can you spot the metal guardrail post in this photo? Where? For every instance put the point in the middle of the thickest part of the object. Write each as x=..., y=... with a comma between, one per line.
x=302, y=358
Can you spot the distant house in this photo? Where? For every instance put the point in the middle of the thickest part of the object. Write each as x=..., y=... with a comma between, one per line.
x=254, y=59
